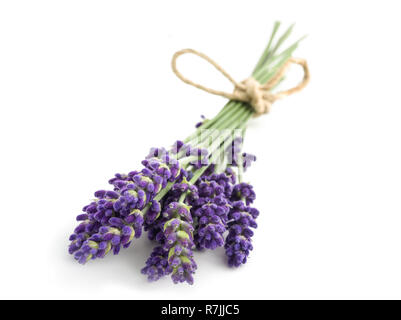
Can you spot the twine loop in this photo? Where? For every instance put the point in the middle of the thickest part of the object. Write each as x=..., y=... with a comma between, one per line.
x=259, y=96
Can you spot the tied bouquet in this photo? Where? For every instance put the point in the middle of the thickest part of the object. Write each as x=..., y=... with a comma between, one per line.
x=191, y=195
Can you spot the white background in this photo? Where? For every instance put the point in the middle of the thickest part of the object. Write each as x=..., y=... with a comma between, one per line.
x=86, y=89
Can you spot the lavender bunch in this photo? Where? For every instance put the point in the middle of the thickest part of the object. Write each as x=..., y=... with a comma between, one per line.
x=186, y=197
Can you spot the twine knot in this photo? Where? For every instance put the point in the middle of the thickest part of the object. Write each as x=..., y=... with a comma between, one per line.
x=258, y=95
x=252, y=92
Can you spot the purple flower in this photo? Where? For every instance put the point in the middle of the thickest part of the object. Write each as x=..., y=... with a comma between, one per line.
x=233, y=152
x=212, y=219
x=119, y=233
x=238, y=246
x=95, y=214
x=153, y=212
x=155, y=227
x=238, y=242
x=243, y=191
x=179, y=211
x=177, y=147
x=224, y=181
x=178, y=235
x=244, y=215
x=247, y=160
x=199, y=124
x=157, y=264
x=211, y=209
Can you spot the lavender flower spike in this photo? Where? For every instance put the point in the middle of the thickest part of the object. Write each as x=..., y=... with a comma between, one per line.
x=178, y=233
x=238, y=242
x=212, y=218
x=157, y=265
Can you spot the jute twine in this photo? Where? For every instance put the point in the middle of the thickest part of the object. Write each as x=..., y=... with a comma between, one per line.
x=250, y=90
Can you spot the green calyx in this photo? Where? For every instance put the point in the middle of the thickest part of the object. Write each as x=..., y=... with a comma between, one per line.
x=114, y=231
x=136, y=212
x=132, y=235
x=146, y=179
x=168, y=224
x=171, y=253
x=108, y=248
x=93, y=244
x=182, y=235
x=185, y=259
x=133, y=193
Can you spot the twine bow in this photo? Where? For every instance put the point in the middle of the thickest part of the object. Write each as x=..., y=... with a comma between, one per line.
x=259, y=96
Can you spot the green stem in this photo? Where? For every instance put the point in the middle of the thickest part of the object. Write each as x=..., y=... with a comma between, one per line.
x=228, y=124
x=241, y=160
x=200, y=171
x=235, y=116
x=182, y=198
x=225, y=112
x=232, y=108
